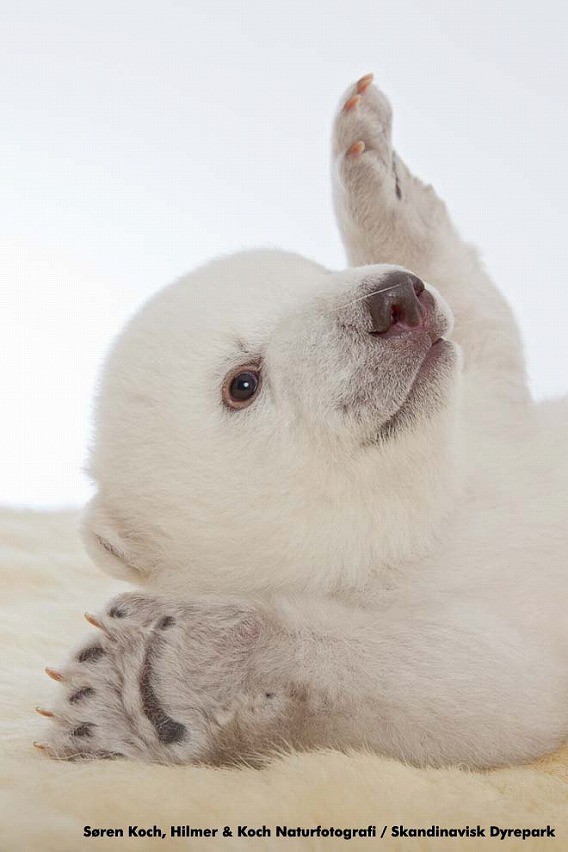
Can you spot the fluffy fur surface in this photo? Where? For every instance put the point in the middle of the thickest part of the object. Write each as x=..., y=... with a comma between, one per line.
x=46, y=580
x=350, y=529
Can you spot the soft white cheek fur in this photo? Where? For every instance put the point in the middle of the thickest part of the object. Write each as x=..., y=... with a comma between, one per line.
x=287, y=494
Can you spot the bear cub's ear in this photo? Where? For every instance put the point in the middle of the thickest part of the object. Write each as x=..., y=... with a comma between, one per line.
x=105, y=543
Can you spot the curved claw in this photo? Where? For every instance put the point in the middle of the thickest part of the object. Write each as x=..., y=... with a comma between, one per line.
x=356, y=149
x=92, y=619
x=41, y=746
x=352, y=103
x=54, y=674
x=364, y=83
x=43, y=712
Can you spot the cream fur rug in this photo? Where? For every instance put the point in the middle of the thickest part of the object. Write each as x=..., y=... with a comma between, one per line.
x=47, y=583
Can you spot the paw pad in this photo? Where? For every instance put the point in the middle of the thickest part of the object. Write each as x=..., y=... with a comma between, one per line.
x=83, y=731
x=80, y=694
x=117, y=612
x=90, y=655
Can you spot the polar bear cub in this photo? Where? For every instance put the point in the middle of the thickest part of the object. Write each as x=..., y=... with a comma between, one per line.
x=345, y=511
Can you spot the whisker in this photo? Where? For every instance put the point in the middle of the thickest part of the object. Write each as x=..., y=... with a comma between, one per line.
x=362, y=298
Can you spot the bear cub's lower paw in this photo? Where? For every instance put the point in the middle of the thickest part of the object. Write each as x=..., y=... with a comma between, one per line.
x=160, y=681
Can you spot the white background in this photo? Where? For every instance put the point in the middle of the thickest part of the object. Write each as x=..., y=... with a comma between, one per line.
x=139, y=138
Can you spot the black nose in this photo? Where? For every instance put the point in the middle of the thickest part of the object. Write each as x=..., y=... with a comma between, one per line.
x=394, y=301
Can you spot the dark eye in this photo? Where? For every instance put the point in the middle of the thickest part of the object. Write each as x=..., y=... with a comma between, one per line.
x=241, y=386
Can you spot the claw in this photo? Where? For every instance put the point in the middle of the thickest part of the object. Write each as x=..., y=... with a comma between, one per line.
x=364, y=83
x=41, y=746
x=54, y=674
x=43, y=712
x=356, y=149
x=352, y=103
x=94, y=621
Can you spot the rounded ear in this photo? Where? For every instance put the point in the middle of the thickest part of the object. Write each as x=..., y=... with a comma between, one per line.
x=105, y=544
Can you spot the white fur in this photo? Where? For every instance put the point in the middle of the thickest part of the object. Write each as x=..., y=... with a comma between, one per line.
x=420, y=579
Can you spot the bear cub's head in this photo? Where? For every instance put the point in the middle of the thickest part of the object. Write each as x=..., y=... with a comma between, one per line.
x=265, y=424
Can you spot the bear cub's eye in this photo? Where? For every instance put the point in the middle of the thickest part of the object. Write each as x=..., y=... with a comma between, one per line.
x=241, y=387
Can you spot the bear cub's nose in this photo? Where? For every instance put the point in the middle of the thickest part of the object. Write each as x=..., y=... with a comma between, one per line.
x=395, y=303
